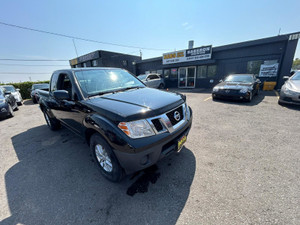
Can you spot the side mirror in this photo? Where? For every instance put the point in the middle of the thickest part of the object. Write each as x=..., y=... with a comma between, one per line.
x=7, y=93
x=220, y=81
x=61, y=95
x=18, y=89
x=285, y=78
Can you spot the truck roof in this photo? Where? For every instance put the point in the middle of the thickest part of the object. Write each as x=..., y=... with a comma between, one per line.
x=89, y=68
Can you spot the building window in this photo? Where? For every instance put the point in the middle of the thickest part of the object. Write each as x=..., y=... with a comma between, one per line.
x=94, y=63
x=173, y=74
x=253, y=67
x=160, y=72
x=206, y=71
x=211, y=71
x=153, y=71
x=201, y=71
x=166, y=73
x=83, y=64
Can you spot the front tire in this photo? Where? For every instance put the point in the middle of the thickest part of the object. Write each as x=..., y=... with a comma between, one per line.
x=52, y=123
x=10, y=111
x=34, y=100
x=105, y=158
x=250, y=97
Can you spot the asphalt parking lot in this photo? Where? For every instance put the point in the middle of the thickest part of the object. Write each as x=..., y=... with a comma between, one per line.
x=240, y=165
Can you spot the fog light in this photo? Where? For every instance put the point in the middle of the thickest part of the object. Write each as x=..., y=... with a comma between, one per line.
x=3, y=110
x=144, y=160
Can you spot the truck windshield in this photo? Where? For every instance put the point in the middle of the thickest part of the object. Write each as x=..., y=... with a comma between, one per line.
x=100, y=81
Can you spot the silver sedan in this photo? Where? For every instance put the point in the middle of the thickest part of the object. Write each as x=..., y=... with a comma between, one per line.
x=290, y=91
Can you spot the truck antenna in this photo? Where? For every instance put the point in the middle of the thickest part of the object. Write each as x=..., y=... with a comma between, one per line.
x=75, y=47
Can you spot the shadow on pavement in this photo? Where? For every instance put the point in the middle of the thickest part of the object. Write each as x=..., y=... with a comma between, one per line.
x=28, y=102
x=57, y=182
x=255, y=101
x=290, y=106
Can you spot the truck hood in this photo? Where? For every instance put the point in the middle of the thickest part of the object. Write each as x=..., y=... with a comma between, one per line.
x=135, y=103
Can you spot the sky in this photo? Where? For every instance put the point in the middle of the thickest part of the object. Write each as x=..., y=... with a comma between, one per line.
x=162, y=26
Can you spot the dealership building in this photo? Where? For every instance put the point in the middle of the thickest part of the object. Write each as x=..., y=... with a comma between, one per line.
x=202, y=67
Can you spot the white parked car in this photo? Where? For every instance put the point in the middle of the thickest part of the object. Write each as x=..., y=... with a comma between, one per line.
x=152, y=80
x=15, y=92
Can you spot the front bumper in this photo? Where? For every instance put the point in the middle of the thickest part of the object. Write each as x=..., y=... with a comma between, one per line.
x=4, y=111
x=151, y=153
x=231, y=94
x=289, y=100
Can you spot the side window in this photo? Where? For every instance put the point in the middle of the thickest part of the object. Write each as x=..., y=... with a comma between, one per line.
x=150, y=77
x=64, y=83
x=53, y=84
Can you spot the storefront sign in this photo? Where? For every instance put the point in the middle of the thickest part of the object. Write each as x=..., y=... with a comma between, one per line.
x=84, y=58
x=268, y=70
x=187, y=55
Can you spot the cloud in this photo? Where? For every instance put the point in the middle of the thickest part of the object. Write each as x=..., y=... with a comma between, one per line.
x=187, y=26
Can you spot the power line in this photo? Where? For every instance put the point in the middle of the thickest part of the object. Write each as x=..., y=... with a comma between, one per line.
x=36, y=60
x=23, y=73
x=79, y=38
x=28, y=65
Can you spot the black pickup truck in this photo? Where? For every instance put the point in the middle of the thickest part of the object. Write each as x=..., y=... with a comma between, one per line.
x=127, y=125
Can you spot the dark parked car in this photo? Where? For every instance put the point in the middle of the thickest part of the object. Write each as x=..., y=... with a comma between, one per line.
x=8, y=104
x=34, y=91
x=290, y=91
x=127, y=125
x=237, y=86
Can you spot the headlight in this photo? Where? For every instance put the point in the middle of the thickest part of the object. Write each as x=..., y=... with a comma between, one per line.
x=136, y=129
x=288, y=91
x=216, y=89
x=244, y=90
x=187, y=112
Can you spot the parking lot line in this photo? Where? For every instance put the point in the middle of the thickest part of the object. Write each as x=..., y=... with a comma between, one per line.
x=207, y=98
x=277, y=94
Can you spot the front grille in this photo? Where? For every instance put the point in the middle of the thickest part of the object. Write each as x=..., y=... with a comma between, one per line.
x=157, y=125
x=171, y=116
x=230, y=91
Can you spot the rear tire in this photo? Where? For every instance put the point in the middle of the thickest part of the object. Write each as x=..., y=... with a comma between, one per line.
x=105, y=158
x=52, y=123
x=161, y=86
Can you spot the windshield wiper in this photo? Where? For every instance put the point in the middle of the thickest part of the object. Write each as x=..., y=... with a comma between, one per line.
x=100, y=93
x=128, y=88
